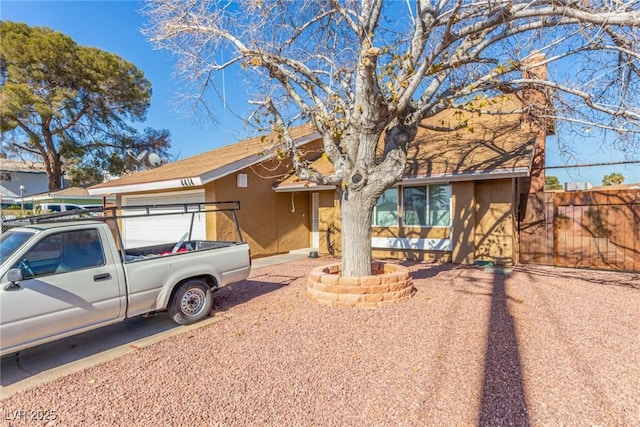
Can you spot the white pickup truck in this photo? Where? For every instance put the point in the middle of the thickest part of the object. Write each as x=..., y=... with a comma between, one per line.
x=61, y=278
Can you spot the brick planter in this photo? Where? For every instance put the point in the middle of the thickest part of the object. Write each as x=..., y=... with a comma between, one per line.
x=390, y=283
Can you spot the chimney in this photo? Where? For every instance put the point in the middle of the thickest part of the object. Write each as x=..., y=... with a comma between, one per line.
x=537, y=104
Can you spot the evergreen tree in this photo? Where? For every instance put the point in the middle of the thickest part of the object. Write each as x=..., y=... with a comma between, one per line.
x=67, y=103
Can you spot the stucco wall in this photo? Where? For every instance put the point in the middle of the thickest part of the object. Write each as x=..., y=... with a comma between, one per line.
x=494, y=232
x=483, y=225
x=211, y=218
x=436, y=233
x=271, y=222
x=463, y=222
x=328, y=219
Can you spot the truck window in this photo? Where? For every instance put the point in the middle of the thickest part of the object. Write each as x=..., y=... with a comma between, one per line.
x=43, y=258
x=63, y=252
x=10, y=241
x=81, y=249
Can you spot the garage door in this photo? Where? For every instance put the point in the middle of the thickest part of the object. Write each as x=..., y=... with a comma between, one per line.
x=153, y=230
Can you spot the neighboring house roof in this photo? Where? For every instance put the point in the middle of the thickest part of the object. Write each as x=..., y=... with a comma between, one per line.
x=203, y=168
x=69, y=192
x=9, y=165
x=632, y=186
x=7, y=194
x=490, y=146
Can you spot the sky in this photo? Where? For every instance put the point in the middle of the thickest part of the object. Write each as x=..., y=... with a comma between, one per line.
x=114, y=26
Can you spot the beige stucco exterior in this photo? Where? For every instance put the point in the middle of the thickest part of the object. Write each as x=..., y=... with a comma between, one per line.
x=463, y=222
x=328, y=220
x=487, y=169
x=495, y=228
x=483, y=225
x=271, y=222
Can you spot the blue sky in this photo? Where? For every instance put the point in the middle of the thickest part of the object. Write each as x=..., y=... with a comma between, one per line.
x=114, y=26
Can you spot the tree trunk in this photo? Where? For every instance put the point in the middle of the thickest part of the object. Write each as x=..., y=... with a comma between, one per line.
x=55, y=174
x=54, y=183
x=356, y=209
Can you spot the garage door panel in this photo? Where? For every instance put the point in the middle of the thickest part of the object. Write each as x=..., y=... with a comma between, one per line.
x=154, y=230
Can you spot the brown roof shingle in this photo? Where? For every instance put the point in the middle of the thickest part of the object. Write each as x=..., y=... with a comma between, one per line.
x=494, y=142
x=207, y=162
x=10, y=165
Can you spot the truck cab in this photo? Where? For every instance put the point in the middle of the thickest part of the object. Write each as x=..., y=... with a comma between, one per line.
x=68, y=282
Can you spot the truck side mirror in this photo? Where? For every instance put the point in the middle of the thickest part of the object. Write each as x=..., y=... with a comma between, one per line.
x=14, y=276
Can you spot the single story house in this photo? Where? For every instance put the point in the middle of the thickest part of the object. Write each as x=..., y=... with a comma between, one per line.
x=459, y=201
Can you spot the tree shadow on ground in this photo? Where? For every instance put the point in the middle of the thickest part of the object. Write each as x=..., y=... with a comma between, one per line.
x=422, y=270
x=246, y=290
x=599, y=277
x=503, y=400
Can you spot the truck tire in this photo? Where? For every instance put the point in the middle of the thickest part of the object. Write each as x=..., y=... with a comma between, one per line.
x=191, y=302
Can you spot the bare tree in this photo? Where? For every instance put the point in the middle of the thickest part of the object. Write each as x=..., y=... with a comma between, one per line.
x=371, y=70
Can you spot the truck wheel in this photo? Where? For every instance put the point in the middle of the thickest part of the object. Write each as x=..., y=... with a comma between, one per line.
x=191, y=302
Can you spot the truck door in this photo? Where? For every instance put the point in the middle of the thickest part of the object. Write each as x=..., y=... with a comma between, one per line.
x=69, y=285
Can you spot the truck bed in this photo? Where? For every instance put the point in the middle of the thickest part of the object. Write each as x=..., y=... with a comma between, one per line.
x=148, y=252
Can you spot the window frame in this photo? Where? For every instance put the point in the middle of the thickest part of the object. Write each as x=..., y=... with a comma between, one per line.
x=400, y=206
x=427, y=213
x=397, y=216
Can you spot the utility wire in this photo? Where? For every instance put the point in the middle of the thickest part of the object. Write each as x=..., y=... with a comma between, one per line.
x=628, y=162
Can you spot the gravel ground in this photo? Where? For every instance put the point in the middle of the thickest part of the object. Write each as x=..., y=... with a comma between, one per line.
x=539, y=346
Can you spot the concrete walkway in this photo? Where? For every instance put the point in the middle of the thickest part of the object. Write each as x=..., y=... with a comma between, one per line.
x=280, y=259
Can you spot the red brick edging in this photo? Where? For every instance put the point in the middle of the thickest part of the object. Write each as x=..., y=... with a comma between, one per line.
x=390, y=283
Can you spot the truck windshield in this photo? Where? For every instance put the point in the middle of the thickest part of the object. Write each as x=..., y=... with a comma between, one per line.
x=11, y=240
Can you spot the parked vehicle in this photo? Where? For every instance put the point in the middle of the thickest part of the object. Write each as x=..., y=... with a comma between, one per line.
x=59, y=207
x=60, y=277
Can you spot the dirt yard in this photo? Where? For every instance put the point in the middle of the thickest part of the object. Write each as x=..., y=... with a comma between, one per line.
x=531, y=346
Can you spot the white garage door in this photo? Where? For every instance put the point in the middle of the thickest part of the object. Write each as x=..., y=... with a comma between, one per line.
x=154, y=230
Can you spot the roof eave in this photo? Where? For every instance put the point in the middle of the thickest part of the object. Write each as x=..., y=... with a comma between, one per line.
x=303, y=187
x=199, y=180
x=430, y=179
x=147, y=186
x=468, y=176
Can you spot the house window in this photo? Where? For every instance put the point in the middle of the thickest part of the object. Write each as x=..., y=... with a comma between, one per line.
x=5, y=176
x=385, y=212
x=439, y=206
x=423, y=206
x=427, y=206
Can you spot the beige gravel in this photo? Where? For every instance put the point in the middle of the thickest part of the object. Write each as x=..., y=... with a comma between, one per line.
x=539, y=346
